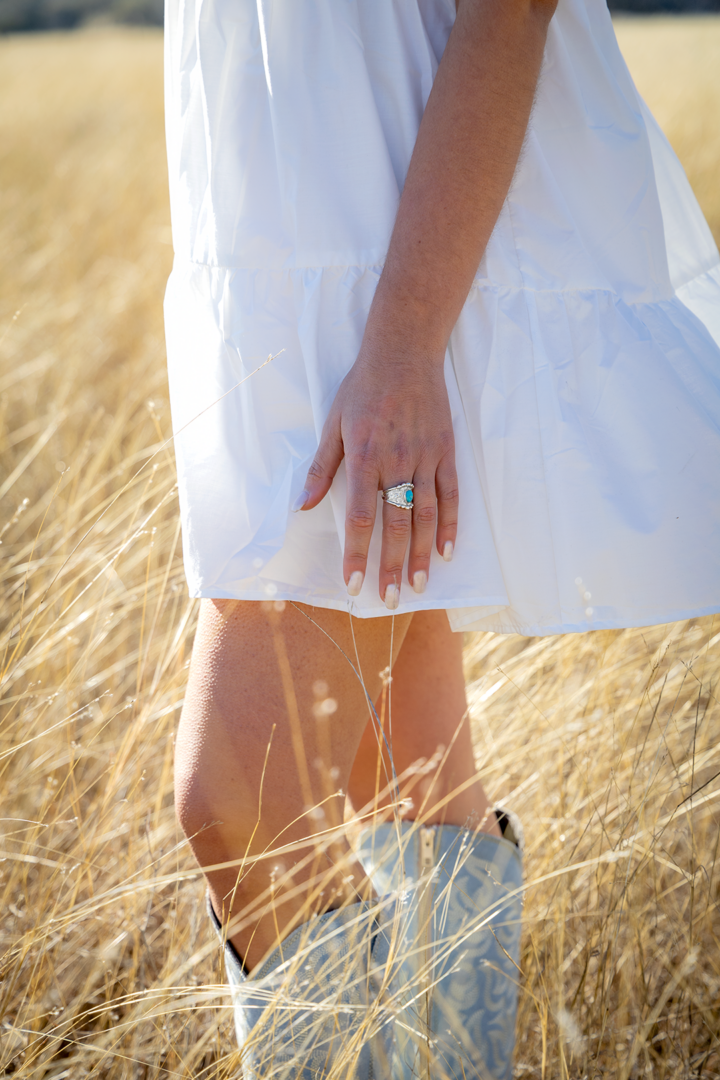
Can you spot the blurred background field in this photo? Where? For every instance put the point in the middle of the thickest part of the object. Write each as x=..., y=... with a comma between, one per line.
x=607, y=744
x=70, y=14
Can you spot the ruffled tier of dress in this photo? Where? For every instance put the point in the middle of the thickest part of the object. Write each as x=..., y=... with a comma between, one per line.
x=588, y=451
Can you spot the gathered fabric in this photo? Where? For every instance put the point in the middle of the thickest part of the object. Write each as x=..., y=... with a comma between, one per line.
x=583, y=372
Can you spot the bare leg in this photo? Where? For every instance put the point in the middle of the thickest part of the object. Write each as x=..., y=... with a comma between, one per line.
x=256, y=750
x=428, y=720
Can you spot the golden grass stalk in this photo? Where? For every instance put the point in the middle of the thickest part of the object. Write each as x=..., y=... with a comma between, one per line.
x=606, y=744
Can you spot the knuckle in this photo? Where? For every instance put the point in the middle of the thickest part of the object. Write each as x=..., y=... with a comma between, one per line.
x=397, y=528
x=393, y=569
x=360, y=520
x=362, y=456
x=449, y=493
x=355, y=560
x=447, y=442
x=362, y=471
x=401, y=452
x=425, y=515
x=316, y=470
x=449, y=525
x=420, y=559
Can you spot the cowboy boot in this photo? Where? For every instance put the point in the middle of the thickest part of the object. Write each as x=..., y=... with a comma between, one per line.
x=459, y=905
x=314, y=1008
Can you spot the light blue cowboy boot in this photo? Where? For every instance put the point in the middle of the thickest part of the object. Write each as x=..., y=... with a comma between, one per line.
x=460, y=905
x=315, y=1008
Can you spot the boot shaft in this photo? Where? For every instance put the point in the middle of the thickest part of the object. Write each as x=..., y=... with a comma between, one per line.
x=459, y=896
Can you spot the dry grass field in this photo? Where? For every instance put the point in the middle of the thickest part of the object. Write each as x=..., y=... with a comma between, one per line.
x=607, y=744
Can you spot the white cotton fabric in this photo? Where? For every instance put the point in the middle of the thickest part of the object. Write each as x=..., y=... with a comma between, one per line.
x=583, y=372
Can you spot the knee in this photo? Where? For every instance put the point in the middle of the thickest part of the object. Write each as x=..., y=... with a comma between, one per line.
x=202, y=807
x=215, y=808
x=196, y=813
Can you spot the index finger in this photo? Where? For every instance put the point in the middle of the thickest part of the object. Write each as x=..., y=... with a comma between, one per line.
x=362, y=489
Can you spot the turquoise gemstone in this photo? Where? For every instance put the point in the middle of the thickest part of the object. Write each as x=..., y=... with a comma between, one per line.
x=408, y=496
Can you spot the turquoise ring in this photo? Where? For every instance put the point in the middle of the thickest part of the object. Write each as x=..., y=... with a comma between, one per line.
x=401, y=495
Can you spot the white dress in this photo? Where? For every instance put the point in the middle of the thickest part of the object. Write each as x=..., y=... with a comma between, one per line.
x=583, y=372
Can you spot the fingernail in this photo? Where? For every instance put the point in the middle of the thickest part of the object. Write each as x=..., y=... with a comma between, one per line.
x=392, y=597
x=355, y=583
x=419, y=581
x=300, y=501
x=448, y=550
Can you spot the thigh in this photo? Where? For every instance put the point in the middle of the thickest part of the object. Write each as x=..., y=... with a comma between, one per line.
x=426, y=704
x=425, y=719
x=277, y=700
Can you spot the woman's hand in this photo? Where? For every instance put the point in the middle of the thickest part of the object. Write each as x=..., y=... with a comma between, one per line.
x=391, y=421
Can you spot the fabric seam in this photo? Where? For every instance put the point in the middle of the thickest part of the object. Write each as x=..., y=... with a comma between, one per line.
x=477, y=283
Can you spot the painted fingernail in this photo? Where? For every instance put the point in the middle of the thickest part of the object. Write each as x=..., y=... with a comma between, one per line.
x=419, y=581
x=355, y=583
x=392, y=597
x=448, y=550
x=300, y=501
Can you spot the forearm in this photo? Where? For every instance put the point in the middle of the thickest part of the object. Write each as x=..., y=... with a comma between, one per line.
x=465, y=156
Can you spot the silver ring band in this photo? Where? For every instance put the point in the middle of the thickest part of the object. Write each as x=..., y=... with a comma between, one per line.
x=400, y=495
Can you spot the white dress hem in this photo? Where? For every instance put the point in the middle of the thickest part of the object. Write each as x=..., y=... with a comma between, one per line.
x=499, y=618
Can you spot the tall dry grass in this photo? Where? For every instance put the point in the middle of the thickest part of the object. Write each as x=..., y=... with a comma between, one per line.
x=605, y=743
x=675, y=64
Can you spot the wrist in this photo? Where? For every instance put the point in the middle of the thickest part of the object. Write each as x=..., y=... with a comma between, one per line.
x=403, y=329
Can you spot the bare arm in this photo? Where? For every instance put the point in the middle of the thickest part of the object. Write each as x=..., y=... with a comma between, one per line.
x=391, y=417
x=463, y=163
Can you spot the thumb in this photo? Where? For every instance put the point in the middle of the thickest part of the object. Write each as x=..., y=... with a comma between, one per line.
x=327, y=460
